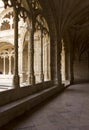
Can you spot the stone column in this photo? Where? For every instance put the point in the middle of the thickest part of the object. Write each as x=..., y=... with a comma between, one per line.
x=0, y=24
x=45, y=59
x=39, y=55
x=48, y=59
x=63, y=61
x=4, y=64
x=71, y=39
x=66, y=63
x=46, y=56
x=16, y=76
x=42, y=74
x=29, y=67
x=9, y=64
x=71, y=64
x=59, y=49
x=31, y=77
x=20, y=56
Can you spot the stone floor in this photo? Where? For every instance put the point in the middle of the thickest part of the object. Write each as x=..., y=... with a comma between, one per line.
x=67, y=111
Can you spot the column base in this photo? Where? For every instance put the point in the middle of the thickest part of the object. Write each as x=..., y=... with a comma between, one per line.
x=47, y=76
x=42, y=77
x=31, y=79
x=16, y=81
x=71, y=82
x=21, y=78
x=60, y=80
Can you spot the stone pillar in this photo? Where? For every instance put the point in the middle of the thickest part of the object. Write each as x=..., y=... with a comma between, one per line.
x=4, y=64
x=39, y=55
x=59, y=49
x=31, y=77
x=0, y=24
x=63, y=61
x=20, y=56
x=42, y=74
x=46, y=58
x=16, y=76
x=66, y=63
x=9, y=64
x=29, y=67
x=69, y=55
x=71, y=64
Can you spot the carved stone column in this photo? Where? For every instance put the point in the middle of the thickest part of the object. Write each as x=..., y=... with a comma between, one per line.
x=16, y=76
x=42, y=74
x=31, y=77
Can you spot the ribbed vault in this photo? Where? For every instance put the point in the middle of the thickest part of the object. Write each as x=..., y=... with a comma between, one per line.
x=73, y=19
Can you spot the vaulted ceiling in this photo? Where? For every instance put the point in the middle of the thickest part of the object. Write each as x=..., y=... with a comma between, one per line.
x=72, y=18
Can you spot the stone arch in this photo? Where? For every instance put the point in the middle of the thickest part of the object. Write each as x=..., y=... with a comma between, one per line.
x=5, y=45
x=6, y=58
x=53, y=30
x=5, y=11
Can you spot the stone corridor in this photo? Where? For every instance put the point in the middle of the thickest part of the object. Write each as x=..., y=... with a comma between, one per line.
x=67, y=111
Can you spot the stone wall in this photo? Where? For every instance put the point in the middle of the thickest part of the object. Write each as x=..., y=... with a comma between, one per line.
x=14, y=94
x=81, y=68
